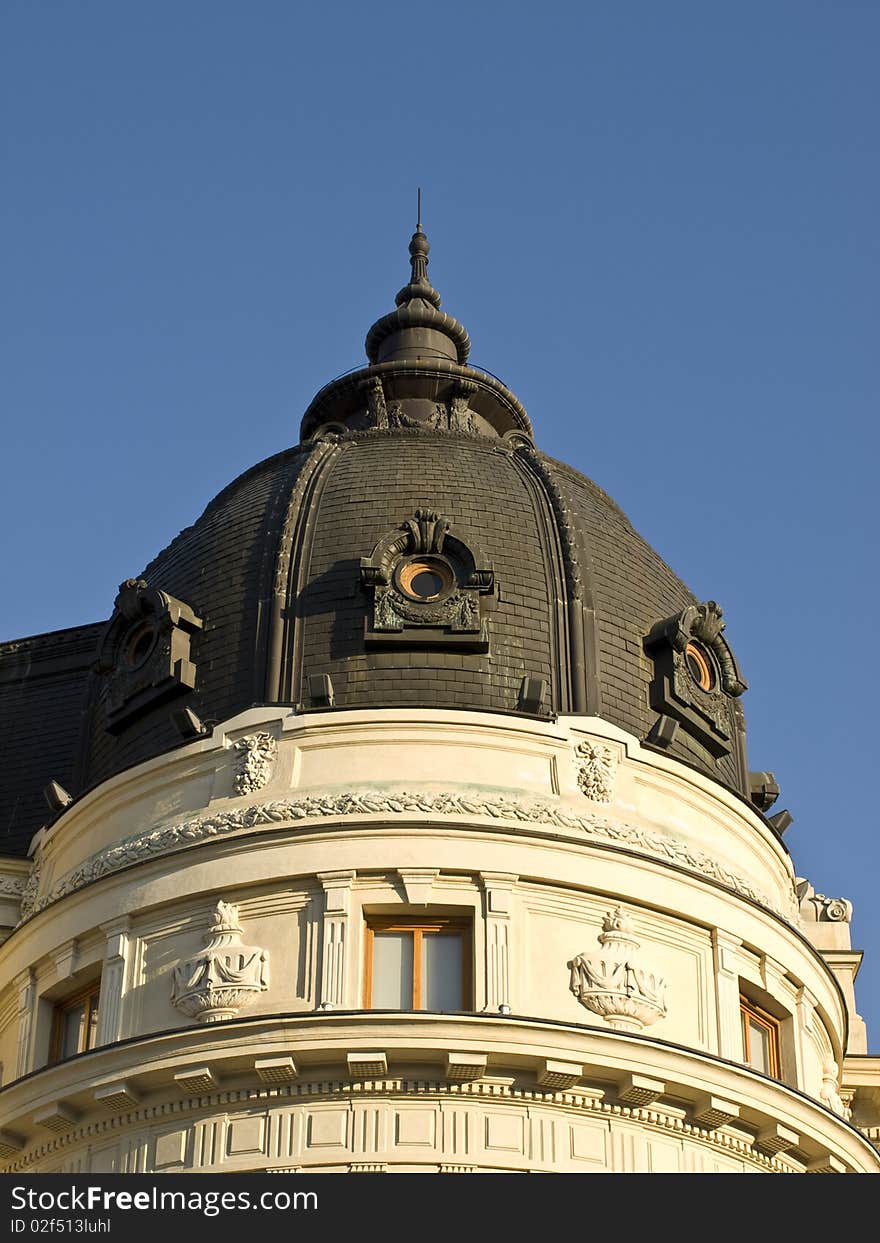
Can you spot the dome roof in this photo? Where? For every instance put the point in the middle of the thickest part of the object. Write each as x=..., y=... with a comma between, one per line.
x=415, y=549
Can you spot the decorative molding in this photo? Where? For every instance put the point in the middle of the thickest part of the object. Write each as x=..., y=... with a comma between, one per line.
x=183, y=834
x=214, y=984
x=615, y=985
x=596, y=771
x=777, y=1138
x=276, y=1069
x=113, y=972
x=13, y=886
x=257, y=753
x=418, y=884
x=57, y=1117
x=714, y=1111
x=575, y=1101
x=195, y=1080
x=564, y=521
x=367, y=1065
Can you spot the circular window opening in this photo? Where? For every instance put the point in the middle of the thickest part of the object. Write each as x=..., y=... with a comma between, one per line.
x=425, y=580
x=140, y=645
x=700, y=666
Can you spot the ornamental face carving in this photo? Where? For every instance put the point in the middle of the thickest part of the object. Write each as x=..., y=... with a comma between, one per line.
x=596, y=771
x=614, y=984
x=144, y=656
x=215, y=984
x=256, y=759
x=696, y=677
x=427, y=588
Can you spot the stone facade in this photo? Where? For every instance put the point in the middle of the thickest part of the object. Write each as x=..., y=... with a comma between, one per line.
x=480, y=816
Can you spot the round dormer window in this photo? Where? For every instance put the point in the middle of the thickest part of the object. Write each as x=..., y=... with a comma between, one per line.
x=701, y=666
x=140, y=644
x=425, y=579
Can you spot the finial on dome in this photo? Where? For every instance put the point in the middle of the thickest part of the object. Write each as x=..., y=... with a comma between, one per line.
x=418, y=329
x=419, y=286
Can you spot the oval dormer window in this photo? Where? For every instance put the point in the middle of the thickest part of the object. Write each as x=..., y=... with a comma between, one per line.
x=700, y=666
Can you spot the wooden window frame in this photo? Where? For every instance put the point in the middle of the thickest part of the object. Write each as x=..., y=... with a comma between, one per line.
x=91, y=996
x=417, y=926
x=750, y=1012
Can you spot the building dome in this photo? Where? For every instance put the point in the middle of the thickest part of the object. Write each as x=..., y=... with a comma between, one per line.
x=546, y=602
x=399, y=819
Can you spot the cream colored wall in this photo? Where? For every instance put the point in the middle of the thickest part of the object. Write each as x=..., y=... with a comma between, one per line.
x=504, y=820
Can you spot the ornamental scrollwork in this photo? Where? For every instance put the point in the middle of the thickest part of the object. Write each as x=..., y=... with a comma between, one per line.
x=816, y=908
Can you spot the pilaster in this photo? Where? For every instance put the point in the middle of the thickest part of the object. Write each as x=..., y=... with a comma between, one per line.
x=113, y=980
x=724, y=950
x=26, y=986
x=498, y=890
x=336, y=936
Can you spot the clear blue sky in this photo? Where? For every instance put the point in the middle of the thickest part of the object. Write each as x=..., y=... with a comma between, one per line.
x=657, y=221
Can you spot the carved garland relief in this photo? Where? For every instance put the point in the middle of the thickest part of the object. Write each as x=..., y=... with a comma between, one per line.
x=173, y=837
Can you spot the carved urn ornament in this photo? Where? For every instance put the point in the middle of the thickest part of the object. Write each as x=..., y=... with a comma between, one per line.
x=215, y=984
x=614, y=984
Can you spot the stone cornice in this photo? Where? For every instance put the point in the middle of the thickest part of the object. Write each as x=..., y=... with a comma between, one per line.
x=319, y=1044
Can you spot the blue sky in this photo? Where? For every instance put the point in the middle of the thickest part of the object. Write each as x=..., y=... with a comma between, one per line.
x=657, y=222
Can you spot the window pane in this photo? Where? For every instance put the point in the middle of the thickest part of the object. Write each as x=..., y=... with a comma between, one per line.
x=72, y=1024
x=392, y=971
x=759, y=1047
x=441, y=971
